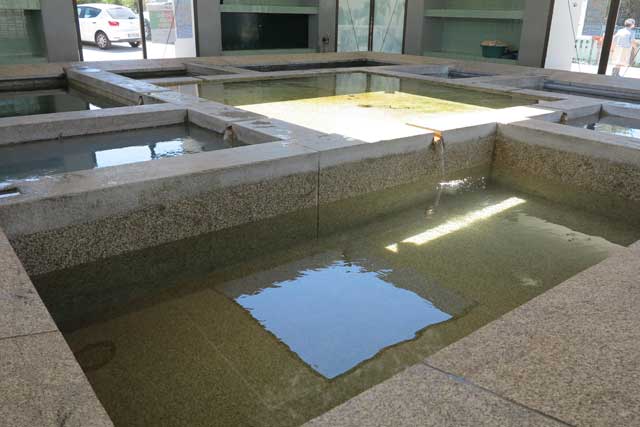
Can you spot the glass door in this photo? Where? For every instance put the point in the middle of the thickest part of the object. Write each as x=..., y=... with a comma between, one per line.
x=371, y=25
x=354, y=17
x=109, y=31
x=388, y=26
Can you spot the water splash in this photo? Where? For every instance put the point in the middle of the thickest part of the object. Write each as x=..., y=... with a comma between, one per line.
x=437, y=144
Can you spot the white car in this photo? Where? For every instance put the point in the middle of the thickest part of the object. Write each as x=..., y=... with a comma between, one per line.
x=103, y=24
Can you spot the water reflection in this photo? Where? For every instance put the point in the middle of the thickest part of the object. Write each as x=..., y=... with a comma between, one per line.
x=613, y=125
x=31, y=161
x=42, y=102
x=329, y=85
x=338, y=315
x=244, y=328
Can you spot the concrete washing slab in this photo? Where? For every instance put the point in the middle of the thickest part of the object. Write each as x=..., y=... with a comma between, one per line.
x=424, y=396
x=41, y=383
x=565, y=358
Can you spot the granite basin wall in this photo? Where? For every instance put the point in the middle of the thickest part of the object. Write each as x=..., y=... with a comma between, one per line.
x=112, y=86
x=91, y=215
x=355, y=192
x=579, y=167
x=41, y=382
x=75, y=123
x=80, y=217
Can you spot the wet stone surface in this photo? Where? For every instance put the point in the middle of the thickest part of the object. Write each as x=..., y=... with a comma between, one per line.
x=191, y=333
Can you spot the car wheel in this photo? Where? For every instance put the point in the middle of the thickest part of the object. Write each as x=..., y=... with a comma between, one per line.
x=134, y=44
x=102, y=40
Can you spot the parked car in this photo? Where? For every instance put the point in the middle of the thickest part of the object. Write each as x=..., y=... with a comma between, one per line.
x=103, y=24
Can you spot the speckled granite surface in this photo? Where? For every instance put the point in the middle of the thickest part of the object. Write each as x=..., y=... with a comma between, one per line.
x=590, y=377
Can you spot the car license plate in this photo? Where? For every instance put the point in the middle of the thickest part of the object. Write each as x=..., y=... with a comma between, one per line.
x=134, y=35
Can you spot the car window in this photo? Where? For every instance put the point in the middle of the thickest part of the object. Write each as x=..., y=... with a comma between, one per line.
x=80, y=12
x=91, y=12
x=121, y=13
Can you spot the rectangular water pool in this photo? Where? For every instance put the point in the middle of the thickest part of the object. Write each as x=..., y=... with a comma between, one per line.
x=613, y=125
x=33, y=160
x=29, y=103
x=237, y=329
x=359, y=105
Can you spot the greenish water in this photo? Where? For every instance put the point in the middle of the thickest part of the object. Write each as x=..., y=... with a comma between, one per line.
x=265, y=325
x=34, y=160
x=328, y=85
x=29, y=103
x=612, y=125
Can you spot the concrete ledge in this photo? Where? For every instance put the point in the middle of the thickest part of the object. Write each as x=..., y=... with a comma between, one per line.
x=20, y=83
x=90, y=215
x=570, y=353
x=273, y=75
x=75, y=218
x=423, y=396
x=22, y=312
x=574, y=107
x=114, y=86
x=572, y=139
x=569, y=165
x=621, y=109
x=172, y=81
x=40, y=379
x=360, y=168
x=593, y=84
x=43, y=385
x=216, y=116
x=268, y=129
x=51, y=126
x=215, y=70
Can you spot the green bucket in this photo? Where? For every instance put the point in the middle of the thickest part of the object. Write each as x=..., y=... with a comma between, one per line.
x=493, y=51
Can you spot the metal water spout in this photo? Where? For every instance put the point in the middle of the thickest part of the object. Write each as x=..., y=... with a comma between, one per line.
x=564, y=118
x=230, y=136
x=437, y=144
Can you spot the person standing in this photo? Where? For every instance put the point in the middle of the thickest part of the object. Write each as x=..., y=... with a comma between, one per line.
x=623, y=42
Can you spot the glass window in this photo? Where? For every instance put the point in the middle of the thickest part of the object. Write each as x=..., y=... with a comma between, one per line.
x=106, y=41
x=91, y=12
x=169, y=28
x=356, y=32
x=121, y=13
x=388, y=26
x=257, y=31
x=353, y=25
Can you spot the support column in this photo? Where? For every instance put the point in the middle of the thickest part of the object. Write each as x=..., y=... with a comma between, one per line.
x=209, y=24
x=327, y=26
x=414, y=28
x=535, y=32
x=59, y=28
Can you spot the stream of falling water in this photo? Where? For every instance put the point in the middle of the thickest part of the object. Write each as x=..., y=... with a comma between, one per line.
x=438, y=146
